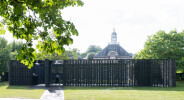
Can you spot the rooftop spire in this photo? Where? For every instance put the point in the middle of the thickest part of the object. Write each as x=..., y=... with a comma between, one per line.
x=113, y=37
x=113, y=29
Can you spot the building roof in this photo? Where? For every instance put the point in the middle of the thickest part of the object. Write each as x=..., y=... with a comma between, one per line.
x=113, y=47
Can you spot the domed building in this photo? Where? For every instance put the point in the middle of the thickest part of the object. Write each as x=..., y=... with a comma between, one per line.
x=113, y=50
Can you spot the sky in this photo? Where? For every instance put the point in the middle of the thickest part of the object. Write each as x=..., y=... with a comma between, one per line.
x=133, y=20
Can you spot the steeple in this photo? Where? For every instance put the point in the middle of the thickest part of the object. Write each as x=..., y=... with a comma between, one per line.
x=113, y=37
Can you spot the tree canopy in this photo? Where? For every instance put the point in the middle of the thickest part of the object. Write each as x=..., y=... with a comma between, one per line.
x=4, y=54
x=40, y=20
x=68, y=54
x=92, y=50
x=15, y=47
x=91, y=55
x=8, y=51
x=164, y=45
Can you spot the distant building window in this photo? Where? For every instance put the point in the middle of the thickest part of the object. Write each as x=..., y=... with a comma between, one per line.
x=112, y=57
x=112, y=54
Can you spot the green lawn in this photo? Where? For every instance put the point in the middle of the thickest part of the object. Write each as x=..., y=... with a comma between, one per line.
x=125, y=93
x=7, y=91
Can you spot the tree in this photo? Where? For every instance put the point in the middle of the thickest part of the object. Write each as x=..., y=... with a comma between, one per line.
x=134, y=56
x=68, y=54
x=93, y=48
x=13, y=55
x=91, y=55
x=83, y=55
x=40, y=20
x=165, y=46
x=15, y=47
x=4, y=55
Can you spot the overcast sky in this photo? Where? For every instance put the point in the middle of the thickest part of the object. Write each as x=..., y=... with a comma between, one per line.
x=133, y=21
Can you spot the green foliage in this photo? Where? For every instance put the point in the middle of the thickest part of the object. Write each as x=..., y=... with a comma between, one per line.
x=83, y=55
x=13, y=55
x=165, y=46
x=93, y=48
x=134, y=56
x=16, y=46
x=91, y=55
x=2, y=30
x=91, y=51
x=4, y=55
x=179, y=76
x=40, y=20
x=8, y=52
x=68, y=54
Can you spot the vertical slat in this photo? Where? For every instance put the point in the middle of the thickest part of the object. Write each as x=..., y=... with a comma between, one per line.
x=163, y=73
x=123, y=72
x=167, y=74
x=102, y=70
x=174, y=72
x=170, y=74
x=131, y=78
x=133, y=68
x=46, y=72
x=10, y=73
x=118, y=73
x=128, y=73
x=86, y=65
x=98, y=72
x=143, y=70
x=108, y=72
x=69, y=71
x=78, y=72
x=92, y=73
x=112, y=73
x=63, y=77
x=157, y=69
x=153, y=62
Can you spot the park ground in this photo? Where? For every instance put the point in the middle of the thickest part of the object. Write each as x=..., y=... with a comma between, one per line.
x=25, y=92
x=99, y=93
x=125, y=93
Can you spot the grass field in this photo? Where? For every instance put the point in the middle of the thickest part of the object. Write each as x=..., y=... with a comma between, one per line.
x=7, y=91
x=125, y=93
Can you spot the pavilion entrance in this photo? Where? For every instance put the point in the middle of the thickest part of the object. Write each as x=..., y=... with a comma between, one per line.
x=54, y=75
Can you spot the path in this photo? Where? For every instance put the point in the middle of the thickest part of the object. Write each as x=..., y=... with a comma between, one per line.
x=51, y=93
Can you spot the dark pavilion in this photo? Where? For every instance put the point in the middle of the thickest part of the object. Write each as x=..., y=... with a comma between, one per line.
x=113, y=50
